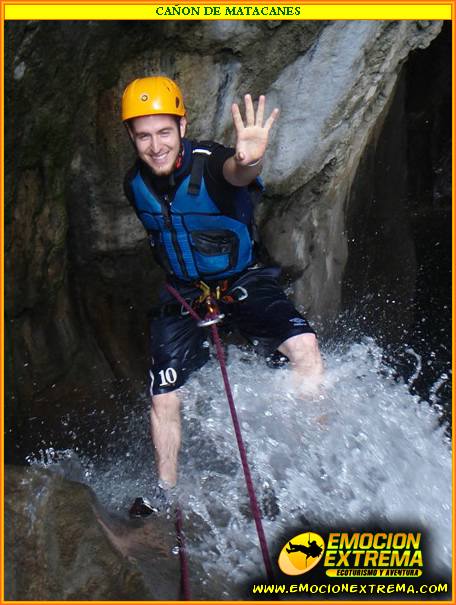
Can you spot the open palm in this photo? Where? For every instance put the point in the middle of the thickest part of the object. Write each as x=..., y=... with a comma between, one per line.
x=252, y=137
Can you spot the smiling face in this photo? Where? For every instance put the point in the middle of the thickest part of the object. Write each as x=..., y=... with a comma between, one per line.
x=157, y=139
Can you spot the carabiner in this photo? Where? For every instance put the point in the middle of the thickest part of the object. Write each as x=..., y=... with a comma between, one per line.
x=243, y=296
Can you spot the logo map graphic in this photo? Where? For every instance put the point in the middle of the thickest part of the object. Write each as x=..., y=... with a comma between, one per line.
x=301, y=553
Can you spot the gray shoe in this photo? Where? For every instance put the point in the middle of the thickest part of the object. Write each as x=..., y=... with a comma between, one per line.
x=157, y=502
x=269, y=503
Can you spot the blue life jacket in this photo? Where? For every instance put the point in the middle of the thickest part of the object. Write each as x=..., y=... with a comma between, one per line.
x=190, y=236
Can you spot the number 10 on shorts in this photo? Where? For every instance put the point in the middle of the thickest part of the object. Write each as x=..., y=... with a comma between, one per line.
x=168, y=377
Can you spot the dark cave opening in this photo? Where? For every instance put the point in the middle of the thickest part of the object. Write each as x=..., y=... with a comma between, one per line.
x=397, y=282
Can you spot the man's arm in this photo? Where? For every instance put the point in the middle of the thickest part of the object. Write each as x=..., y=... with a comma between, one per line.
x=251, y=142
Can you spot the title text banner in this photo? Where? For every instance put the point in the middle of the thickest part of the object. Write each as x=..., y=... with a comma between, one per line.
x=208, y=11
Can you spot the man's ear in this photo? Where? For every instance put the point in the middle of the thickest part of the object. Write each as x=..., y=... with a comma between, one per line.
x=182, y=126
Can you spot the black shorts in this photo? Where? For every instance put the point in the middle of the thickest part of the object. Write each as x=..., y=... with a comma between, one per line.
x=178, y=346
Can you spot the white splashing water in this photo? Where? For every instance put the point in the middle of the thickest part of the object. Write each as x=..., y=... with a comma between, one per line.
x=367, y=451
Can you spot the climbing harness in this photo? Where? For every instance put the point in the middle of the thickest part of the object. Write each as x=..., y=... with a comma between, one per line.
x=212, y=315
x=211, y=319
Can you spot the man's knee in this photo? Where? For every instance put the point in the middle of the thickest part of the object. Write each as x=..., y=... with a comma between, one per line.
x=302, y=348
x=165, y=404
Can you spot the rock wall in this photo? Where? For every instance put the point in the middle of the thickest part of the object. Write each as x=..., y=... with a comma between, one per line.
x=79, y=273
x=58, y=545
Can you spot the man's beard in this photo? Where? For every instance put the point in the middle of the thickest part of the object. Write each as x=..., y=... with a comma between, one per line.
x=164, y=170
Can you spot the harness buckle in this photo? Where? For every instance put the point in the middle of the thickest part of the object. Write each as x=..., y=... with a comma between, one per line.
x=213, y=315
x=205, y=292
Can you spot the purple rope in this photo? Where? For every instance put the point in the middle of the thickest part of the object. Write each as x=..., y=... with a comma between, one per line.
x=248, y=477
x=237, y=429
x=185, y=573
x=183, y=302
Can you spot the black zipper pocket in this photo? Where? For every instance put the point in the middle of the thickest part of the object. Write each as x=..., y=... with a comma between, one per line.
x=217, y=243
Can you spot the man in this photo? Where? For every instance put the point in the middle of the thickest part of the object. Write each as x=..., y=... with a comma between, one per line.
x=194, y=201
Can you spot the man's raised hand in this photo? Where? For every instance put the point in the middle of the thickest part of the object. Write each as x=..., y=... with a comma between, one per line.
x=251, y=137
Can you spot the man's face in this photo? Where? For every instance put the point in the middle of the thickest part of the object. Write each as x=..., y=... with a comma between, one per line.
x=157, y=141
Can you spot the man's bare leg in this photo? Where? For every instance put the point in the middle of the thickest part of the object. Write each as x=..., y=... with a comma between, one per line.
x=165, y=422
x=307, y=366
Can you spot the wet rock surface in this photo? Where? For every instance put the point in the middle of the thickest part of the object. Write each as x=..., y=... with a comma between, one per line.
x=62, y=545
x=57, y=549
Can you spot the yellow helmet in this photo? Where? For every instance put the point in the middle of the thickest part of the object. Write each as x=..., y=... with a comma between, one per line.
x=149, y=96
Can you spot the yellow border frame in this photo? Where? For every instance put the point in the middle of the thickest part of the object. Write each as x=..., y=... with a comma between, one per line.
x=151, y=11
x=143, y=10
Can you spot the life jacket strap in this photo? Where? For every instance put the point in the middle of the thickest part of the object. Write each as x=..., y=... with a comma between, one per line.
x=200, y=155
